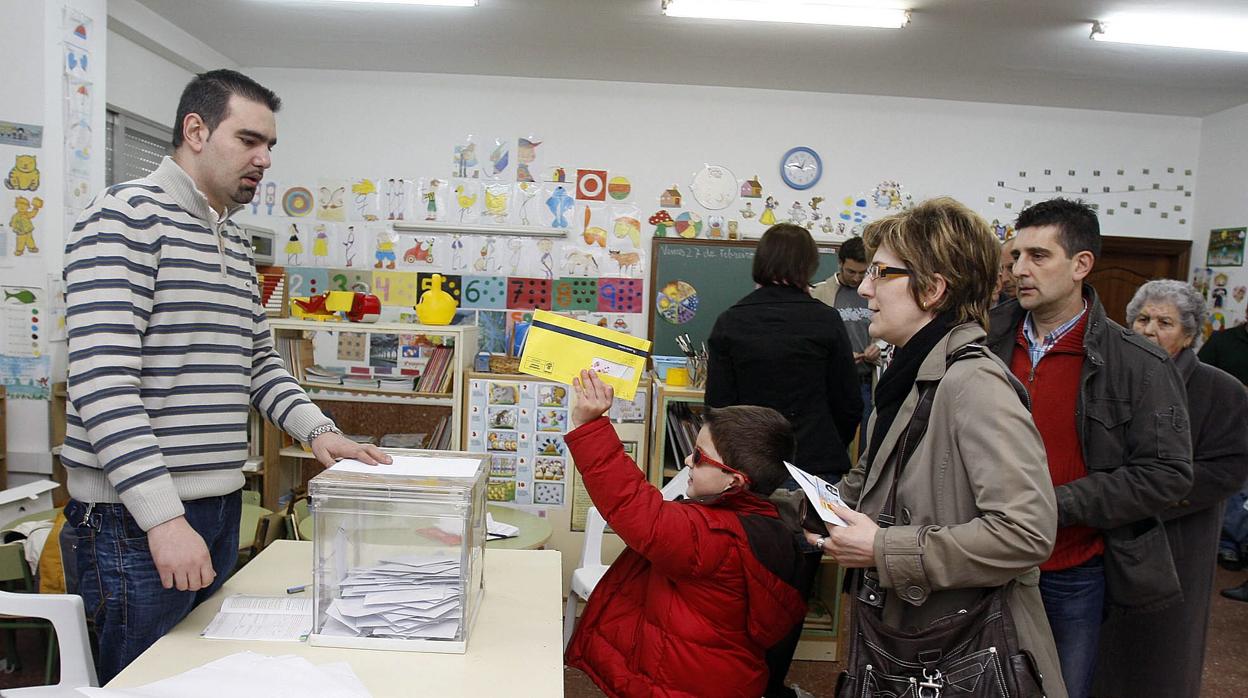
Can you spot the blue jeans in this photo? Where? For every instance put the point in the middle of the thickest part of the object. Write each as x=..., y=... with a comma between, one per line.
x=118, y=582
x=1234, y=537
x=1074, y=601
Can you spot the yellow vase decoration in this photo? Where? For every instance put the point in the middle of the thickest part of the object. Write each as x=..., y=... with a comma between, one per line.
x=436, y=307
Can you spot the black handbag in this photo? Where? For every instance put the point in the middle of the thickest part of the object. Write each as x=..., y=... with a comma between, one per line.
x=972, y=653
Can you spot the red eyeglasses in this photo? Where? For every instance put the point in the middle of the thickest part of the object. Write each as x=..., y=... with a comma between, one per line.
x=700, y=457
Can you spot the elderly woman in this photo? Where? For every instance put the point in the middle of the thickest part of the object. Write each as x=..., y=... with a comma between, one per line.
x=1162, y=653
x=972, y=501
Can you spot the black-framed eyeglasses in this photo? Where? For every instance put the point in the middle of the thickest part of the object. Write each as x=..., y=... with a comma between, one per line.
x=879, y=270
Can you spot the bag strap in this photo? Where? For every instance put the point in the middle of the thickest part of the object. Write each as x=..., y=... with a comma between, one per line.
x=917, y=427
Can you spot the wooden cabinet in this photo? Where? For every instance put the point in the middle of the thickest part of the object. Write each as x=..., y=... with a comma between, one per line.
x=363, y=410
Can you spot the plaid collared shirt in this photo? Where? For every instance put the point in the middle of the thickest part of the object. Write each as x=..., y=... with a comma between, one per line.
x=1036, y=348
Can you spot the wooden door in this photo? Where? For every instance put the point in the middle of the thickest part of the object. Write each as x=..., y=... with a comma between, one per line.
x=1126, y=264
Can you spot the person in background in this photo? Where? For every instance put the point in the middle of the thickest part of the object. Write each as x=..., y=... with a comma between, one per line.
x=1228, y=350
x=169, y=347
x=841, y=292
x=1007, y=288
x=1124, y=459
x=779, y=348
x=707, y=583
x=1163, y=653
x=974, y=507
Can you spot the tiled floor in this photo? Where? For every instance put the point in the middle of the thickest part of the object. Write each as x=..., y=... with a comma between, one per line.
x=1226, y=663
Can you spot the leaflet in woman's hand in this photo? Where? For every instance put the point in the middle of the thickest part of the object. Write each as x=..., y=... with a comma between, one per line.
x=822, y=494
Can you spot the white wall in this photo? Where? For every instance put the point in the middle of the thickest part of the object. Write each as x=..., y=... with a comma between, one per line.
x=1222, y=185
x=31, y=48
x=339, y=123
x=142, y=82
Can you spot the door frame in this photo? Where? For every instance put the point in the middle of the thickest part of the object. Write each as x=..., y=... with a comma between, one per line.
x=1181, y=249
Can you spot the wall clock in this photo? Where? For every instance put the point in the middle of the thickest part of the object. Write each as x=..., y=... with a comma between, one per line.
x=801, y=168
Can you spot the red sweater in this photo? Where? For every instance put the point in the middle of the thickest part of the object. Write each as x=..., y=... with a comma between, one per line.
x=688, y=610
x=1054, y=387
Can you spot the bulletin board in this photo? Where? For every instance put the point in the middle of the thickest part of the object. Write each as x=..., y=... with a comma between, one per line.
x=716, y=273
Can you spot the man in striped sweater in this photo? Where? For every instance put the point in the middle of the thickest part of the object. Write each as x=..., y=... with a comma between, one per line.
x=168, y=348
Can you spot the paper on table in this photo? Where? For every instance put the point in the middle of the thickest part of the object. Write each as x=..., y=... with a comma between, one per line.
x=413, y=466
x=821, y=493
x=261, y=618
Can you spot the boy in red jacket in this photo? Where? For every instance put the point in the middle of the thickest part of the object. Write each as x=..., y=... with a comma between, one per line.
x=707, y=583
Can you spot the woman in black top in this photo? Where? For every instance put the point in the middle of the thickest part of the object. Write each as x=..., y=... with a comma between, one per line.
x=780, y=348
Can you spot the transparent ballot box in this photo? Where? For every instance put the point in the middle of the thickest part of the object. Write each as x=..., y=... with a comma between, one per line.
x=398, y=551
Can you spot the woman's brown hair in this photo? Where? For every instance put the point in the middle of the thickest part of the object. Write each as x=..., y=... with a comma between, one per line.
x=942, y=236
x=786, y=256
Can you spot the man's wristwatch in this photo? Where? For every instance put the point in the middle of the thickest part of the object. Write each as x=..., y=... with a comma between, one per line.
x=323, y=429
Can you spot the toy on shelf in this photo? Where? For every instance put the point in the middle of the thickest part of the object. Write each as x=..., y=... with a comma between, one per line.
x=336, y=306
x=436, y=307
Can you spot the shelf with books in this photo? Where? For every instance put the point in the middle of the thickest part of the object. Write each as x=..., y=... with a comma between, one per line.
x=676, y=419
x=369, y=358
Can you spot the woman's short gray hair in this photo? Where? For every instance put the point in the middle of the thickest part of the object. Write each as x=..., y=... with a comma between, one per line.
x=1189, y=303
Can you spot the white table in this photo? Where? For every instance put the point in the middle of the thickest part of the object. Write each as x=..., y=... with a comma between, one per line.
x=517, y=642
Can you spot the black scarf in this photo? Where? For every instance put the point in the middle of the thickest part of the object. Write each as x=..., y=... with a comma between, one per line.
x=899, y=378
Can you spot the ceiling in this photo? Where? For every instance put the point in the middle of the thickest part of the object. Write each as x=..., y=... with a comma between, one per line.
x=1032, y=52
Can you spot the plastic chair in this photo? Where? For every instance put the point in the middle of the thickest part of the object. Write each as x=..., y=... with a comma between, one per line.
x=66, y=614
x=586, y=576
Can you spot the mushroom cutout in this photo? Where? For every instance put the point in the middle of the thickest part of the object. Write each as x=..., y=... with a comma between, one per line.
x=661, y=221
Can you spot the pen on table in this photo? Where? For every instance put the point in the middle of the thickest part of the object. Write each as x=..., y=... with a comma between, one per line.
x=296, y=590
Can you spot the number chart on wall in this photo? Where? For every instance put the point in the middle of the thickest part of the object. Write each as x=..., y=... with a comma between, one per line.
x=521, y=424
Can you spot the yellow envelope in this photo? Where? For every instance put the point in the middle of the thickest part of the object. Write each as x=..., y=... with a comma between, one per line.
x=559, y=348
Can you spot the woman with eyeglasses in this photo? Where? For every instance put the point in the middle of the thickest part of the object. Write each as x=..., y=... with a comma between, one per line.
x=943, y=515
x=779, y=347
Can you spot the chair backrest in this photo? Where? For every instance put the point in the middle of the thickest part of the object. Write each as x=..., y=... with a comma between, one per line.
x=13, y=567
x=296, y=513
x=251, y=497
x=65, y=611
x=595, y=525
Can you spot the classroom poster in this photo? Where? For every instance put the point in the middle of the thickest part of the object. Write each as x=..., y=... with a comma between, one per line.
x=25, y=367
x=521, y=424
x=1226, y=247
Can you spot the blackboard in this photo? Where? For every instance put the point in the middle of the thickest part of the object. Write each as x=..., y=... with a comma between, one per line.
x=719, y=272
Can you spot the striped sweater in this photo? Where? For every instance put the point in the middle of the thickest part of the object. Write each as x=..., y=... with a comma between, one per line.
x=168, y=344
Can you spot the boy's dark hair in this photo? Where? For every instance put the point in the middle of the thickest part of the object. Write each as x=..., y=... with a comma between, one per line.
x=756, y=441
x=1076, y=222
x=786, y=255
x=852, y=249
x=209, y=96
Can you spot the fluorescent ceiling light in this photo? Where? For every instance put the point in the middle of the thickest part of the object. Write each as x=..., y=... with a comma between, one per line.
x=796, y=11
x=438, y=3
x=1217, y=34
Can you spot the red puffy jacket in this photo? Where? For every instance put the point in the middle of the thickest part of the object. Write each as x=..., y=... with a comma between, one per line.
x=702, y=591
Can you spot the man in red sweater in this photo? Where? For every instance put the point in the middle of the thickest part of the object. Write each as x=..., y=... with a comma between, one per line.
x=1111, y=409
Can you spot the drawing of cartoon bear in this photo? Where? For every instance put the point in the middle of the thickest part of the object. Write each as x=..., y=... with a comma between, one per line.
x=24, y=175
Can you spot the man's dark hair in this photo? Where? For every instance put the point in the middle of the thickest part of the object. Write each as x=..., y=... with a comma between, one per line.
x=754, y=440
x=209, y=96
x=786, y=254
x=1076, y=222
x=853, y=250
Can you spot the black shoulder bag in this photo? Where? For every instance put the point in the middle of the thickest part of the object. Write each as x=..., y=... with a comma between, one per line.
x=972, y=653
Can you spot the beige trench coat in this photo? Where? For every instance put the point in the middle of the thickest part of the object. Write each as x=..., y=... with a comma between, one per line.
x=975, y=504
